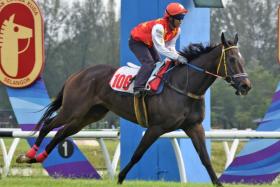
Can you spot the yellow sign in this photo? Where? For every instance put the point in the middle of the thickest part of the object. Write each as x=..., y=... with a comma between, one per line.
x=21, y=42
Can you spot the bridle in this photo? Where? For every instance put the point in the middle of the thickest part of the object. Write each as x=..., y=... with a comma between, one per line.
x=223, y=60
x=227, y=77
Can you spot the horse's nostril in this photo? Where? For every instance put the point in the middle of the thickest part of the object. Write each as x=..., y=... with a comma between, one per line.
x=245, y=87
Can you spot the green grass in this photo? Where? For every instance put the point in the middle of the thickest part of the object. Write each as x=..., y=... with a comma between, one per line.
x=47, y=181
x=95, y=155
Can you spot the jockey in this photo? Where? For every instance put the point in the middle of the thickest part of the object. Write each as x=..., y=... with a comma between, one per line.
x=151, y=38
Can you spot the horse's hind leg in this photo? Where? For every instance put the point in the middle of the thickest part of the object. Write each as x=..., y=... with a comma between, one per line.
x=151, y=135
x=31, y=153
x=49, y=125
x=197, y=135
x=75, y=125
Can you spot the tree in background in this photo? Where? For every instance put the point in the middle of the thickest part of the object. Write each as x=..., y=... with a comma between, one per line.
x=255, y=21
x=55, y=15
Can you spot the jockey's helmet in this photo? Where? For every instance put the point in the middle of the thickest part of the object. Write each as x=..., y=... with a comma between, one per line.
x=175, y=10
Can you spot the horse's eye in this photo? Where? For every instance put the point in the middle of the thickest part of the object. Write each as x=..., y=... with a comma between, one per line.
x=16, y=29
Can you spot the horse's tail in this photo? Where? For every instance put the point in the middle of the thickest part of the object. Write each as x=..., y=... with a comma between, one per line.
x=51, y=108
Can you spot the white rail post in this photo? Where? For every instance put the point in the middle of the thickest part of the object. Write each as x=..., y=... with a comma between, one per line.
x=7, y=157
x=180, y=160
x=116, y=158
x=230, y=153
x=107, y=158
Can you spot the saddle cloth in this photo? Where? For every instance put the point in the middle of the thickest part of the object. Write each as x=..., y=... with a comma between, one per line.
x=122, y=79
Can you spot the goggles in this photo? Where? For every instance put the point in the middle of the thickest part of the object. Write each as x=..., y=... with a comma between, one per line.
x=179, y=16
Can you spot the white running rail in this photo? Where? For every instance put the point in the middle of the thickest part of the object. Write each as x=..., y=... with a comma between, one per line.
x=17, y=134
x=234, y=136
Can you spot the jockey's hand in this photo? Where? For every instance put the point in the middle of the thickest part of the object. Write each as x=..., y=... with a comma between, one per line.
x=182, y=60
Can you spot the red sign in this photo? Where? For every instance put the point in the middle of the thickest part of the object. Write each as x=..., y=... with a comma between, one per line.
x=21, y=42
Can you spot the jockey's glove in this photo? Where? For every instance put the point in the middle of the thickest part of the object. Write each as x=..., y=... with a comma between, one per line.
x=182, y=60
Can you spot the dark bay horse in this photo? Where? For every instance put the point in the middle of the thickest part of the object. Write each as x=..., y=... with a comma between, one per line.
x=86, y=97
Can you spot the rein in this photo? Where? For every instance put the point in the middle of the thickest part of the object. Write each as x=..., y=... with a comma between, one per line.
x=199, y=69
x=188, y=94
x=222, y=60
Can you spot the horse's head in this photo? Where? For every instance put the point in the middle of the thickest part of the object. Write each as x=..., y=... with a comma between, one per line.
x=15, y=30
x=233, y=64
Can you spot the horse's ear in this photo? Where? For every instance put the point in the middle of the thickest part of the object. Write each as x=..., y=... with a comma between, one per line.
x=223, y=39
x=12, y=17
x=235, y=39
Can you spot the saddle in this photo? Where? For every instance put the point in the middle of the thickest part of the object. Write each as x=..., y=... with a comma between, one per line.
x=122, y=80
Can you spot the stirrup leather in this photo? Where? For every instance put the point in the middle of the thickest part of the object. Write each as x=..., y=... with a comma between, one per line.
x=142, y=119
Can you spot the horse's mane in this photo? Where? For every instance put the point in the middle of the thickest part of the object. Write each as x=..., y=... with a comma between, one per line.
x=195, y=50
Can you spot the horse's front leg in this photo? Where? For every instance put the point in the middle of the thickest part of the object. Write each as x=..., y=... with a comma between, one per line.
x=197, y=135
x=151, y=135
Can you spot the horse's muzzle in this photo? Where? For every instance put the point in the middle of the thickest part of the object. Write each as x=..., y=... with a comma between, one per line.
x=244, y=87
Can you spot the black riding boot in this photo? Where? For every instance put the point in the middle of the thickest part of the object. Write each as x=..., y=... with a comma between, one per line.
x=142, y=78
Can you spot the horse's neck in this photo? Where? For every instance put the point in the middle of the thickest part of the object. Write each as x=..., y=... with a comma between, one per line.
x=198, y=82
x=210, y=61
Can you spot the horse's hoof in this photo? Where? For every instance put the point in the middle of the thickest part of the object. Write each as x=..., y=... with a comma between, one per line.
x=120, y=179
x=219, y=185
x=120, y=182
x=21, y=159
x=24, y=159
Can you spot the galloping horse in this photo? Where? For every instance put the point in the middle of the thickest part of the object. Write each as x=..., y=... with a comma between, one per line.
x=86, y=97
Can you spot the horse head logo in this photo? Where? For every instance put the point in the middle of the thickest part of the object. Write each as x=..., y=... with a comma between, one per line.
x=10, y=33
